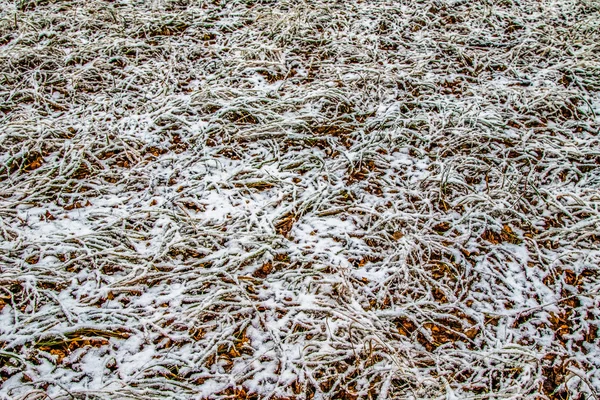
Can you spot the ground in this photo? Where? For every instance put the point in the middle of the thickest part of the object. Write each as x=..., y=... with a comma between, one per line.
x=299, y=199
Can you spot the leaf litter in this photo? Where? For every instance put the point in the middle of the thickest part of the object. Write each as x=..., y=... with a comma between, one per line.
x=299, y=200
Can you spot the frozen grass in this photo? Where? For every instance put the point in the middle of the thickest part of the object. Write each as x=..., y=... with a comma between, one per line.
x=299, y=199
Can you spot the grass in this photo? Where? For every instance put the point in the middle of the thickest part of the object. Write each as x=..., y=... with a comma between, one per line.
x=299, y=200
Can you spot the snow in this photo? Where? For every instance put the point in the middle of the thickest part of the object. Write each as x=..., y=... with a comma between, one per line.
x=301, y=200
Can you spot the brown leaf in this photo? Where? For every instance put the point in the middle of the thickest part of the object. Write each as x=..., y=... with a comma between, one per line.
x=397, y=235
x=506, y=234
x=442, y=227
x=284, y=225
x=264, y=270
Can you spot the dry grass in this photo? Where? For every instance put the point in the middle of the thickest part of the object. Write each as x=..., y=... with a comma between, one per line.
x=299, y=199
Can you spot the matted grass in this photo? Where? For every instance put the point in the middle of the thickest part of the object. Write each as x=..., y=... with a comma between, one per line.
x=299, y=199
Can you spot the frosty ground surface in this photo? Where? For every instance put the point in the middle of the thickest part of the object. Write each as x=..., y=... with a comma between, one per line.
x=299, y=199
